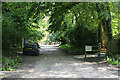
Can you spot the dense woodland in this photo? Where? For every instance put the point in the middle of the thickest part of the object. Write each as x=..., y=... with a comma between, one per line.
x=74, y=23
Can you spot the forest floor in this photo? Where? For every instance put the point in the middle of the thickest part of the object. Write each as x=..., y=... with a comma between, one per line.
x=54, y=63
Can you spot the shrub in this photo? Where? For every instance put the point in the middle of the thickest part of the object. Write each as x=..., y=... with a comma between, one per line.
x=9, y=63
x=113, y=59
x=66, y=46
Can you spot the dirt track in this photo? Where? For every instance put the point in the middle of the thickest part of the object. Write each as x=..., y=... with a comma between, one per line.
x=53, y=63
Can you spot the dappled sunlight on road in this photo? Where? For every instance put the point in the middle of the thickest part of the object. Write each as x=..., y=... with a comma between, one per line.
x=49, y=46
x=50, y=50
x=53, y=63
x=58, y=64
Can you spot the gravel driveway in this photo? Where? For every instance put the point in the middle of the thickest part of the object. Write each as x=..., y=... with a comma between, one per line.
x=53, y=63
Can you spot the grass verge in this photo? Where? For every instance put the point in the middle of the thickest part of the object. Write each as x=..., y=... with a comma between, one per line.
x=114, y=60
x=70, y=49
x=8, y=63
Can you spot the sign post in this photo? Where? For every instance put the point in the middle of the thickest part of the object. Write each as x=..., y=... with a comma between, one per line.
x=87, y=48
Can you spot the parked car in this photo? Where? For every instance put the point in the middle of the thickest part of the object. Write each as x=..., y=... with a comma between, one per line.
x=31, y=49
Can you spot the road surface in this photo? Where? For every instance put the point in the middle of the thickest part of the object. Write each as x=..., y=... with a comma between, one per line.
x=54, y=63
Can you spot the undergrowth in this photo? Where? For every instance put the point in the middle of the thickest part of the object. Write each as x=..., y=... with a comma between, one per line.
x=114, y=60
x=8, y=63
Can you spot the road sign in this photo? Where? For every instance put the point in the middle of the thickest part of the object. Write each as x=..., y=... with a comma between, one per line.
x=88, y=48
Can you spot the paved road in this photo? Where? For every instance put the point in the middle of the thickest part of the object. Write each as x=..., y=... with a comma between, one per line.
x=53, y=63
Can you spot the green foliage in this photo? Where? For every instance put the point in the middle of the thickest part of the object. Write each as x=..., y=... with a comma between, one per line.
x=73, y=23
x=66, y=46
x=113, y=59
x=113, y=62
x=78, y=23
x=114, y=16
x=19, y=59
x=74, y=27
x=71, y=49
x=9, y=63
x=21, y=20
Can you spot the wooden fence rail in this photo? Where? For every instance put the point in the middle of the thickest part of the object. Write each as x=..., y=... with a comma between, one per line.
x=95, y=49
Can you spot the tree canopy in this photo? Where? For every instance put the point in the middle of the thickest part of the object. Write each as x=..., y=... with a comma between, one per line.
x=75, y=23
x=81, y=23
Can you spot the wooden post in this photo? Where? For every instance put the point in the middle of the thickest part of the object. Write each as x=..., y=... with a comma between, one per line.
x=85, y=54
x=99, y=49
x=99, y=54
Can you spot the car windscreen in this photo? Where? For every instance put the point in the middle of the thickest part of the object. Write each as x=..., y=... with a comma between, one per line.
x=30, y=46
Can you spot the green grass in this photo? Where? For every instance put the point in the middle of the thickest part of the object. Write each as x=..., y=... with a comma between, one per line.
x=113, y=62
x=9, y=63
x=71, y=49
x=113, y=59
x=65, y=47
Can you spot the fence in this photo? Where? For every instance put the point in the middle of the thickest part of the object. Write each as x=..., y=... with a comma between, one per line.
x=100, y=49
x=110, y=48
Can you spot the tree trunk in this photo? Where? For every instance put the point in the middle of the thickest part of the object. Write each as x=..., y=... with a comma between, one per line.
x=102, y=35
x=107, y=25
x=104, y=25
